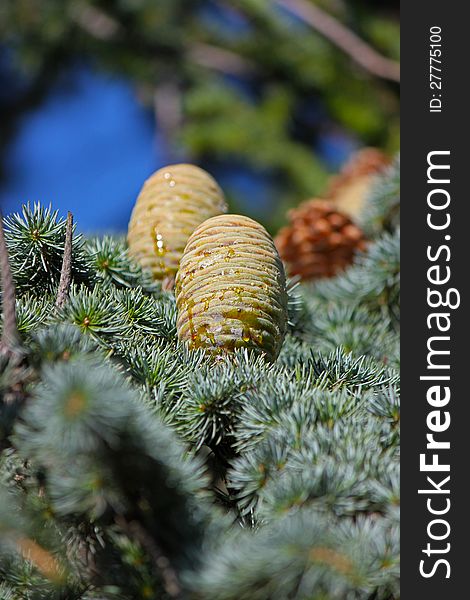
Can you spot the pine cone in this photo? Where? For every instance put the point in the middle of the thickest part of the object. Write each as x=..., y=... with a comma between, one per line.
x=231, y=288
x=349, y=189
x=171, y=204
x=319, y=242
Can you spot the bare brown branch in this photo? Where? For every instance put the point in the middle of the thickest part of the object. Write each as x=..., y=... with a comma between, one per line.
x=168, y=111
x=94, y=21
x=66, y=272
x=161, y=562
x=10, y=341
x=168, y=284
x=220, y=59
x=363, y=54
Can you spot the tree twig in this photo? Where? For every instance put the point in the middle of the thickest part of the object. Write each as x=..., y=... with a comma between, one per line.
x=95, y=21
x=363, y=54
x=161, y=562
x=168, y=283
x=10, y=341
x=66, y=272
x=220, y=59
x=168, y=111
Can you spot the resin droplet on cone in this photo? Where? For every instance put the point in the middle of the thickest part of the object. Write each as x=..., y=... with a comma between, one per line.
x=319, y=241
x=350, y=188
x=231, y=288
x=171, y=204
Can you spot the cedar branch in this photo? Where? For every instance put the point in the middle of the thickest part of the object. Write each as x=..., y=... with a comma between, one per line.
x=363, y=54
x=10, y=340
x=66, y=272
x=161, y=562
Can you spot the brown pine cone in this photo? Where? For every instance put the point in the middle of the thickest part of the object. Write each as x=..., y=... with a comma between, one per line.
x=349, y=189
x=319, y=242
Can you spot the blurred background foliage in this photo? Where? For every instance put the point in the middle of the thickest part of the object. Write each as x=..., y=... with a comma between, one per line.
x=269, y=95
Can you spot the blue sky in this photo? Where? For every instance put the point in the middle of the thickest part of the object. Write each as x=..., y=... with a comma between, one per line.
x=90, y=146
x=87, y=149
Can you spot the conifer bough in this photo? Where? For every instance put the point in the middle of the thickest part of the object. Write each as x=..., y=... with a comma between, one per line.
x=172, y=202
x=294, y=492
x=231, y=288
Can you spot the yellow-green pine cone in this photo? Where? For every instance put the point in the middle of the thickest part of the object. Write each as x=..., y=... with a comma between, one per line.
x=171, y=204
x=231, y=288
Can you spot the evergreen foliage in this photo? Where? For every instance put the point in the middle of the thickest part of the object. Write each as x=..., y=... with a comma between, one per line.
x=383, y=206
x=36, y=240
x=131, y=467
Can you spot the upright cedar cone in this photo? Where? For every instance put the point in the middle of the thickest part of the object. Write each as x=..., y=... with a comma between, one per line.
x=319, y=241
x=349, y=189
x=231, y=288
x=171, y=204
